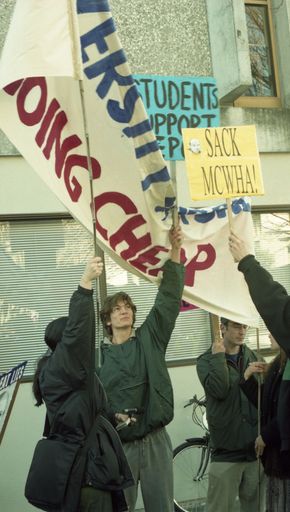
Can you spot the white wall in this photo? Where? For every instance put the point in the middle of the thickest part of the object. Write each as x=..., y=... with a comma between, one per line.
x=26, y=424
x=23, y=192
x=23, y=430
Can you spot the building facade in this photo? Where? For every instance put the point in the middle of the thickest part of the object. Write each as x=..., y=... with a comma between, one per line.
x=244, y=45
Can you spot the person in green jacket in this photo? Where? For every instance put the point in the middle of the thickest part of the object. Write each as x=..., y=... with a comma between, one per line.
x=232, y=422
x=135, y=376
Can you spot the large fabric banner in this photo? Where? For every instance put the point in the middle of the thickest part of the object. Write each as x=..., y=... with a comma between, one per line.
x=50, y=46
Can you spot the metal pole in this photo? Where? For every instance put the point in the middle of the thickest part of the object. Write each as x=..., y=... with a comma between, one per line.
x=230, y=213
x=259, y=418
x=101, y=283
x=101, y=286
x=172, y=168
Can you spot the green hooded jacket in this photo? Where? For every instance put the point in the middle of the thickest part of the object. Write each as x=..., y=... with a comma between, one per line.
x=134, y=373
x=232, y=419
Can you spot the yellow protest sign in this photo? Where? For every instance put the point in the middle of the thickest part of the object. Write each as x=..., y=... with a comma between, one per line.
x=222, y=162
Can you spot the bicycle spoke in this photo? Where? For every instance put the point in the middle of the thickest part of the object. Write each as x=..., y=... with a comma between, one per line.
x=190, y=477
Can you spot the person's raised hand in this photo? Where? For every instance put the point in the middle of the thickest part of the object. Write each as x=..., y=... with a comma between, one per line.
x=238, y=247
x=176, y=240
x=218, y=345
x=92, y=271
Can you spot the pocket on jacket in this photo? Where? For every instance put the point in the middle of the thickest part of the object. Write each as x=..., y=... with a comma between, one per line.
x=103, y=464
x=160, y=408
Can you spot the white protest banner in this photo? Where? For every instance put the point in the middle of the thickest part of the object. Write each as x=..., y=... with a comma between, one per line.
x=133, y=194
x=8, y=389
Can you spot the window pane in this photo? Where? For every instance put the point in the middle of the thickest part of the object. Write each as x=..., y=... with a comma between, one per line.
x=260, y=52
x=41, y=263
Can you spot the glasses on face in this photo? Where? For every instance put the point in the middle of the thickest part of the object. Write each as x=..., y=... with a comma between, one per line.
x=121, y=307
x=237, y=326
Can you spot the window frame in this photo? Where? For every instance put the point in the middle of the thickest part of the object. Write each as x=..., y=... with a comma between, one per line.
x=264, y=101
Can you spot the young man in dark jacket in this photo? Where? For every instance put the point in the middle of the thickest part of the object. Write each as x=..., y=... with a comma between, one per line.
x=232, y=422
x=64, y=382
x=135, y=376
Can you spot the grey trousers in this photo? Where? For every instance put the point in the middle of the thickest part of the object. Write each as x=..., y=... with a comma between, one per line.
x=150, y=460
x=231, y=480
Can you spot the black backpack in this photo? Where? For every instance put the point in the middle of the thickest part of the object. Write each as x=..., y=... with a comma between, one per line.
x=56, y=473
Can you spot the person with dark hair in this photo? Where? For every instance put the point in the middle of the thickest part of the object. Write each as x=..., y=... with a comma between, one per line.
x=135, y=377
x=52, y=336
x=111, y=304
x=62, y=382
x=268, y=443
x=273, y=303
x=232, y=421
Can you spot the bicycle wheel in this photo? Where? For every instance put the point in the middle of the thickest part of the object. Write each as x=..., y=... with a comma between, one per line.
x=190, y=473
